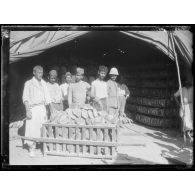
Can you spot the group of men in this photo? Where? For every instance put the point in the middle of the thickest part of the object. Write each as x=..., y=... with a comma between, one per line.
x=106, y=96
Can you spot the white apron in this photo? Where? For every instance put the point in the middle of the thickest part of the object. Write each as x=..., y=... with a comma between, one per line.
x=33, y=126
x=188, y=116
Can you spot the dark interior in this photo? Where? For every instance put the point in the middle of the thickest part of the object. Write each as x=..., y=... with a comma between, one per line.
x=131, y=56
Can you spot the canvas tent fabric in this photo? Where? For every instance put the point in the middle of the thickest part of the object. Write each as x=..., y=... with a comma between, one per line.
x=25, y=44
x=161, y=40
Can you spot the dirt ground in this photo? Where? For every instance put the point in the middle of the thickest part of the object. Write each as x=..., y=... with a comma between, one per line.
x=138, y=145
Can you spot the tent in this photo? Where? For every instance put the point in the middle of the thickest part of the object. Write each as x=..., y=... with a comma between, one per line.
x=25, y=44
x=110, y=48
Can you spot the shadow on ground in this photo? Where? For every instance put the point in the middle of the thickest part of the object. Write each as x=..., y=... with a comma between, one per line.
x=126, y=159
x=161, y=146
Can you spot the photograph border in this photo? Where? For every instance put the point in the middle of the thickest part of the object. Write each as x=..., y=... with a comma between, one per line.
x=5, y=97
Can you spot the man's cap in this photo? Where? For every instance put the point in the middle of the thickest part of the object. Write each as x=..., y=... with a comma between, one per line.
x=80, y=71
x=113, y=71
x=53, y=73
x=103, y=69
x=68, y=74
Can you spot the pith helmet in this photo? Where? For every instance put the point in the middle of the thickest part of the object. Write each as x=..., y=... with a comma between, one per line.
x=113, y=71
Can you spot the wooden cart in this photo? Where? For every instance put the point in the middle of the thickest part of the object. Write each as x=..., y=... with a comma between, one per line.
x=80, y=140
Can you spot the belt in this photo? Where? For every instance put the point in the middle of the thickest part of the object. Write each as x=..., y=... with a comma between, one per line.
x=32, y=106
x=56, y=102
x=105, y=98
x=186, y=103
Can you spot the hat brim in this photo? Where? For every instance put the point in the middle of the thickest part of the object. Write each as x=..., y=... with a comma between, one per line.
x=113, y=74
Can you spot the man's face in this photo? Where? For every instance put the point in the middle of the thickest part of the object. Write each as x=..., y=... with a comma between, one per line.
x=78, y=77
x=52, y=79
x=38, y=74
x=122, y=80
x=102, y=75
x=68, y=79
x=113, y=77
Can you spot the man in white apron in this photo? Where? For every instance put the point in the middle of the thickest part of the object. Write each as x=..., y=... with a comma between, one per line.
x=35, y=98
x=187, y=113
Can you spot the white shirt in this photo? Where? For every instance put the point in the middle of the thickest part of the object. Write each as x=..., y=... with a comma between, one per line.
x=64, y=90
x=187, y=94
x=99, y=89
x=55, y=92
x=36, y=92
x=122, y=92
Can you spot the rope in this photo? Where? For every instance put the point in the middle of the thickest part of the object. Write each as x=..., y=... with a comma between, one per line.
x=179, y=79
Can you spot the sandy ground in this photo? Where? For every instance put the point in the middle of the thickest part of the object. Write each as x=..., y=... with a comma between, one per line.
x=142, y=146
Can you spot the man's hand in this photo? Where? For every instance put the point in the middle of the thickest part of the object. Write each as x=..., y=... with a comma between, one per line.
x=88, y=98
x=61, y=106
x=28, y=111
x=28, y=114
x=181, y=112
x=96, y=99
x=51, y=107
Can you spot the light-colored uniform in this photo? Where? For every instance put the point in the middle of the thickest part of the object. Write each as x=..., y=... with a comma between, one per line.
x=99, y=90
x=123, y=92
x=188, y=107
x=37, y=95
x=55, y=94
x=77, y=93
x=113, y=97
x=64, y=90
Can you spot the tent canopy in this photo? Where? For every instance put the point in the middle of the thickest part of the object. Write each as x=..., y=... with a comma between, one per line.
x=24, y=44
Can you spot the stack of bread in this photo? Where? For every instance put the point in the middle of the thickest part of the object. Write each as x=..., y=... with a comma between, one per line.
x=85, y=115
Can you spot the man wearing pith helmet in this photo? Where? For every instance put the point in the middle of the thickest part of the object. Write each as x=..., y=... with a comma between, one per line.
x=113, y=92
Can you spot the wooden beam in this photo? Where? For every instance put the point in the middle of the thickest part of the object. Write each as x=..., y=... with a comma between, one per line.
x=81, y=126
x=80, y=155
x=63, y=141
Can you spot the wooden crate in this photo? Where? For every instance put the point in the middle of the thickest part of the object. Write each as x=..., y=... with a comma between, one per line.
x=80, y=141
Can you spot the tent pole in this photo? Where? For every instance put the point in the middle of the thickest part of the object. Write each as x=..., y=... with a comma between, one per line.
x=179, y=75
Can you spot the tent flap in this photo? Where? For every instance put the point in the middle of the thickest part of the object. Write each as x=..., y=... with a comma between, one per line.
x=38, y=43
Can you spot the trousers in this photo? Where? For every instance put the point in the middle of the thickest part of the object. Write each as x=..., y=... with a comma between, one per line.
x=122, y=104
